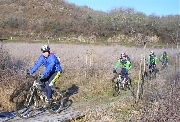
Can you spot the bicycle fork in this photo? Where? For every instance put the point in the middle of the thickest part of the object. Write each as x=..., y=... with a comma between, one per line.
x=29, y=98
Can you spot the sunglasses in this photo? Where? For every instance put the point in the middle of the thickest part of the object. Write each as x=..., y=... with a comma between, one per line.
x=44, y=51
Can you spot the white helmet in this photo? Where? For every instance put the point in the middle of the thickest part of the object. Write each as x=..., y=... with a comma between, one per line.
x=152, y=53
x=45, y=48
x=123, y=54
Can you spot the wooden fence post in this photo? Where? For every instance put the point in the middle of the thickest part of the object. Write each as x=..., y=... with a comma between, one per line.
x=176, y=64
x=137, y=95
x=89, y=60
x=144, y=58
x=86, y=64
x=179, y=62
x=91, y=56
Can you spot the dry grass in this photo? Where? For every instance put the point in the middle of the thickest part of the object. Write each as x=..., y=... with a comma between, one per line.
x=92, y=78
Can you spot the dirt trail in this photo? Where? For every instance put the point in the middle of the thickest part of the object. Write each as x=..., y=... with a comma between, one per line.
x=76, y=110
x=42, y=116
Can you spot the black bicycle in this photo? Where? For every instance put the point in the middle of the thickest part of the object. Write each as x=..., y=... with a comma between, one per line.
x=118, y=84
x=32, y=99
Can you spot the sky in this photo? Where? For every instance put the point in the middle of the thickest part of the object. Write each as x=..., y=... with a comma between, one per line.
x=148, y=7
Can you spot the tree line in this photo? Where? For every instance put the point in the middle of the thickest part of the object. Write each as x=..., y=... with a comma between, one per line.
x=58, y=18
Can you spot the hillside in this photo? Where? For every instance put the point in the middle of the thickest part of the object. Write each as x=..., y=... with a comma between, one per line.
x=42, y=19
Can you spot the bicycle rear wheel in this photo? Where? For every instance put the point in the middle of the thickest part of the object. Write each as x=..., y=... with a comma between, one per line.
x=24, y=105
x=145, y=77
x=129, y=85
x=56, y=103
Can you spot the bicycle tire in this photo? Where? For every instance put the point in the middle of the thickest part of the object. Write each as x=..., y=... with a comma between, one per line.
x=117, y=88
x=129, y=85
x=24, y=105
x=56, y=104
x=152, y=75
x=145, y=76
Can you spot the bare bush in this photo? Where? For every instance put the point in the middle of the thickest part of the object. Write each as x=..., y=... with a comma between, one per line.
x=161, y=101
x=11, y=76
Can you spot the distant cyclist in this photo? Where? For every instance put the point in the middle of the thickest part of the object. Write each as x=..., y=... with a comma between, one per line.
x=126, y=66
x=152, y=61
x=164, y=59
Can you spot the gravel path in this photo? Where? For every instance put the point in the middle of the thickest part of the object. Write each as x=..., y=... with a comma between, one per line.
x=42, y=116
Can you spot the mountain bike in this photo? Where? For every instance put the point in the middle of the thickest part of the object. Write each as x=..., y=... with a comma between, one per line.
x=28, y=101
x=118, y=85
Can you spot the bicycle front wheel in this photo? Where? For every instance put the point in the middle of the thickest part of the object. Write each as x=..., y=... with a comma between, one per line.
x=117, y=88
x=56, y=103
x=24, y=105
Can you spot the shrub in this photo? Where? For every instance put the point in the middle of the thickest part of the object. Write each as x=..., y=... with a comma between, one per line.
x=10, y=78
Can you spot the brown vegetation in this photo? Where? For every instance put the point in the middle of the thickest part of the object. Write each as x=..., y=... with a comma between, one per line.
x=92, y=79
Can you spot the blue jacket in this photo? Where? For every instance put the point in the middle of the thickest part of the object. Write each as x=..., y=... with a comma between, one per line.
x=51, y=63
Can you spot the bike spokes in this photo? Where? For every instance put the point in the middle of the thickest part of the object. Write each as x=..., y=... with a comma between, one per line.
x=56, y=104
x=117, y=88
x=24, y=105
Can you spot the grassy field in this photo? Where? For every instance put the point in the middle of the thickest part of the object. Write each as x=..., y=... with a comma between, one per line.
x=88, y=69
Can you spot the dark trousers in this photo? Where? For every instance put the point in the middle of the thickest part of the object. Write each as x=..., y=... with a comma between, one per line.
x=47, y=89
x=124, y=72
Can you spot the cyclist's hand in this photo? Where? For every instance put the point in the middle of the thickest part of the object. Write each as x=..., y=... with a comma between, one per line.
x=51, y=84
x=40, y=76
x=146, y=64
x=114, y=70
x=28, y=74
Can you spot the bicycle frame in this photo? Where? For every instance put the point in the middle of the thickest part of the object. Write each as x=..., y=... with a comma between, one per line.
x=118, y=86
x=30, y=100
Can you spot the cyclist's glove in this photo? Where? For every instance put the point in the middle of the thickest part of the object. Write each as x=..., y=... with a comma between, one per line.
x=114, y=70
x=41, y=76
x=155, y=65
x=51, y=84
x=28, y=74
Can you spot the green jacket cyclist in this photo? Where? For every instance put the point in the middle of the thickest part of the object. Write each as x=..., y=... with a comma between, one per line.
x=164, y=59
x=126, y=66
x=152, y=61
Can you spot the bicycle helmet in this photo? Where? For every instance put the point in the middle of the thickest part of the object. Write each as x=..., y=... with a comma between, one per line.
x=164, y=53
x=45, y=48
x=123, y=54
x=152, y=53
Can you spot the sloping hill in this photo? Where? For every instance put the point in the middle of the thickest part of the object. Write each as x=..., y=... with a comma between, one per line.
x=58, y=18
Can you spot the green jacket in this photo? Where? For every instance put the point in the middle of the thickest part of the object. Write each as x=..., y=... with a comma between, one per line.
x=164, y=58
x=125, y=64
x=152, y=59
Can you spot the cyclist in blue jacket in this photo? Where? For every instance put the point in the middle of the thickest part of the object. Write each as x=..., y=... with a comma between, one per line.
x=51, y=73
